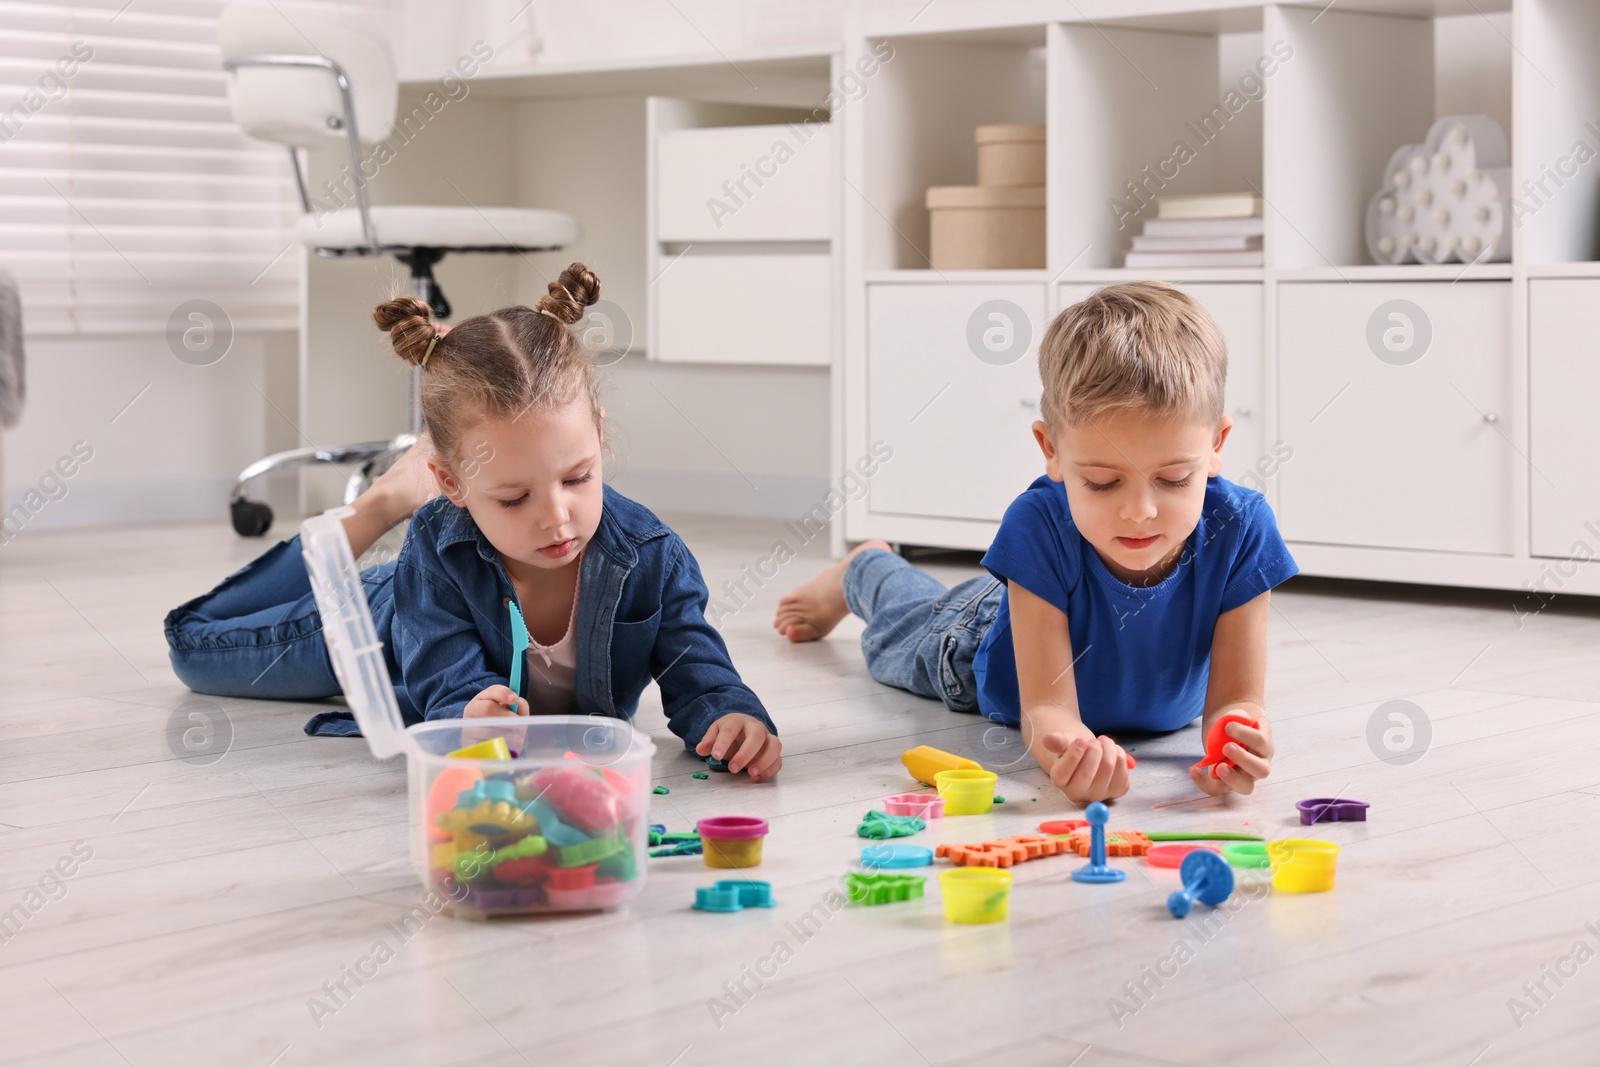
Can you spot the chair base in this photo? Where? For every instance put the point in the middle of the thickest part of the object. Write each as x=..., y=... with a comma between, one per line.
x=252, y=518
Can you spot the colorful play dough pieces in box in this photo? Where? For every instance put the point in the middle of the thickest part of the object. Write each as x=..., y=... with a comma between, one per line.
x=549, y=834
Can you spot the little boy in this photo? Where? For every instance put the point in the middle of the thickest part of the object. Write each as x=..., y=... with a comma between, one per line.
x=1130, y=583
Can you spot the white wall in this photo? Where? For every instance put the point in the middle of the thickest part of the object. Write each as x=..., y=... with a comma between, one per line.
x=172, y=454
x=553, y=32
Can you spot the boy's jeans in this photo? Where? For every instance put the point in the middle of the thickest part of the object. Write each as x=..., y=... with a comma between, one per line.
x=921, y=636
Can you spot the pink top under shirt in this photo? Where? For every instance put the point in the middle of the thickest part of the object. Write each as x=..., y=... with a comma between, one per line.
x=553, y=669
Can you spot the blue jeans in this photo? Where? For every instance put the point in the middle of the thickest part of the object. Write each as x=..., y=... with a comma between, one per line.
x=920, y=636
x=259, y=634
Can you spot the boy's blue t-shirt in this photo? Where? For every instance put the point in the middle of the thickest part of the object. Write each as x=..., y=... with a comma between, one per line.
x=1142, y=655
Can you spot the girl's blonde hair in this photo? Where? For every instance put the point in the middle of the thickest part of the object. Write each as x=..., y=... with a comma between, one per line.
x=1143, y=345
x=498, y=365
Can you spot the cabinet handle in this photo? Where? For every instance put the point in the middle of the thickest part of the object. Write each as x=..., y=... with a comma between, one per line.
x=1242, y=409
x=1491, y=417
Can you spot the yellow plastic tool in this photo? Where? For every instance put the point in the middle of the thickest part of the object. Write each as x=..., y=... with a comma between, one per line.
x=1301, y=865
x=925, y=761
x=975, y=894
x=494, y=748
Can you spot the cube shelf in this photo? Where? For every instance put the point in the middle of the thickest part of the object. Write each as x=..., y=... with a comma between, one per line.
x=1485, y=429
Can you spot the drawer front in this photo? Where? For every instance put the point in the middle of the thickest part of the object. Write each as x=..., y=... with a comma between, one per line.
x=960, y=424
x=1395, y=398
x=717, y=308
x=745, y=183
x=1564, y=373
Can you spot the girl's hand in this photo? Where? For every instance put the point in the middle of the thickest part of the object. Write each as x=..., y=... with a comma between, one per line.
x=1087, y=769
x=1251, y=749
x=495, y=700
x=752, y=746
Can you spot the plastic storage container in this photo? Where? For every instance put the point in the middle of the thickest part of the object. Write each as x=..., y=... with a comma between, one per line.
x=561, y=826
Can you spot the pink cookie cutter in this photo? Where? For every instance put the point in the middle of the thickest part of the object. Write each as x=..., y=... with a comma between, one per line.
x=922, y=805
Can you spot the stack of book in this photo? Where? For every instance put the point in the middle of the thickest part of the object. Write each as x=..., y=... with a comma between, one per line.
x=1219, y=230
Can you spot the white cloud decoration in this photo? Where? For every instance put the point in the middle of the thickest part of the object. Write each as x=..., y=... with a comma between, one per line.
x=1445, y=201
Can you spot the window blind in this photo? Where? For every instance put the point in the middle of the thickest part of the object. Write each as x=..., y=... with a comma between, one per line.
x=126, y=190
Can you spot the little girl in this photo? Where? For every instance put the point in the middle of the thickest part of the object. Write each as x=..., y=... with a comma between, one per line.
x=609, y=595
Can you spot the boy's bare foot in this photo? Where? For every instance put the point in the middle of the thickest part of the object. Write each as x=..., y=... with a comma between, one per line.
x=810, y=611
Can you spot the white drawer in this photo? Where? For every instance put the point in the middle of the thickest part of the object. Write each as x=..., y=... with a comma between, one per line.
x=745, y=183
x=717, y=308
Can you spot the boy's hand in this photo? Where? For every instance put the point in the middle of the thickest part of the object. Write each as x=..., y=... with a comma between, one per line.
x=1251, y=749
x=1087, y=770
x=745, y=742
x=495, y=700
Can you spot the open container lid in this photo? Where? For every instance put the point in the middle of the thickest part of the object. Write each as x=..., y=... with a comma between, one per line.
x=351, y=636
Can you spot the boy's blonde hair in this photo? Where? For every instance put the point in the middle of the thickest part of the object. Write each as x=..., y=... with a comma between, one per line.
x=1138, y=344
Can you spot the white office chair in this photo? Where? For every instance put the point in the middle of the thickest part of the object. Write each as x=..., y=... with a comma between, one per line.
x=307, y=79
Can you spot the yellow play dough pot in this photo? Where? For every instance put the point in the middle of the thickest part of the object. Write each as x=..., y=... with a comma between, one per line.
x=966, y=792
x=1301, y=865
x=975, y=894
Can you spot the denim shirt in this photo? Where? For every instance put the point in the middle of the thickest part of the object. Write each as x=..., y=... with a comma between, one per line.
x=640, y=615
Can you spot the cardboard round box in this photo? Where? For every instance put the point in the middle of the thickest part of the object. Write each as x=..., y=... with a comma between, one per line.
x=1010, y=155
x=979, y=227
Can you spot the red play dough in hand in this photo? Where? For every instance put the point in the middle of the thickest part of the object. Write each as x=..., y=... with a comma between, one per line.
x=1218, y=739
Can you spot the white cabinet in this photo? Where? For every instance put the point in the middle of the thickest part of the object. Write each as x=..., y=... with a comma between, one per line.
x=747, y=308
x=1395, y=399
x=742, y=221
x=953, y=387
x=746, y=183
x=1247, y=458
x=1564, y=372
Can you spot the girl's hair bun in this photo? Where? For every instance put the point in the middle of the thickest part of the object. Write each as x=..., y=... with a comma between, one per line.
x=568, y=295
x=409, y=324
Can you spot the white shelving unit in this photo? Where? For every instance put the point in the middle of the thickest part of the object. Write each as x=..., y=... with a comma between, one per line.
x=1461, y=460
x=742, y=226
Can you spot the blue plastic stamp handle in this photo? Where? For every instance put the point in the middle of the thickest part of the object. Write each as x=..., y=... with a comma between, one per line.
x=1207, y=877
x=1097, y=871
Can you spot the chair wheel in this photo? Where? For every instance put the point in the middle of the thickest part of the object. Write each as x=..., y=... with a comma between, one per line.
x=251, y=518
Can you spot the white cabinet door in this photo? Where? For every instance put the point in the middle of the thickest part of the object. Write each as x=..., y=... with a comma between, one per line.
x=953, y=388
x=1564, y=368
x=1236, y=308
x=1395, y=398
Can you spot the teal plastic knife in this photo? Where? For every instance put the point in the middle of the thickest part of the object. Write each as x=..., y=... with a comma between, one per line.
x=519, y=645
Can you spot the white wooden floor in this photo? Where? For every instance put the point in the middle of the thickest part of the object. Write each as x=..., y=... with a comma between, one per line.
x=217, y=900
